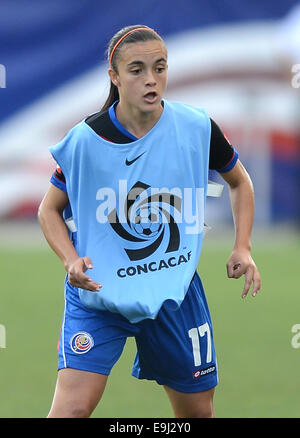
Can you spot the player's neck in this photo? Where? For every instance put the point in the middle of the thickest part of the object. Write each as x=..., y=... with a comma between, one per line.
x=135, y=121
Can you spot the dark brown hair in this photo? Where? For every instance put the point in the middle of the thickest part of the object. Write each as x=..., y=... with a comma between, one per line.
x=138, y=36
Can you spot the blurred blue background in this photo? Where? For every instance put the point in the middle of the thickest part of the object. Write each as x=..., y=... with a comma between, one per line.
x=233, y=58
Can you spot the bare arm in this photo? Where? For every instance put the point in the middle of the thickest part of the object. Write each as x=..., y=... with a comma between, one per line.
x=242, y=203
x=56, y=234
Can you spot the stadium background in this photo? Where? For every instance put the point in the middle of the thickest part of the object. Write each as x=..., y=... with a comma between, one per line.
x=234, y=59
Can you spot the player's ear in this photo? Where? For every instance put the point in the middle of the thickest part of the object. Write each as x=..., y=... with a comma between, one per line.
x=114, y=77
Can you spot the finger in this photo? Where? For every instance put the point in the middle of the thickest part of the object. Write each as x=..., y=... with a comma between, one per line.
x=80, y=279
x=233, y=270
x=87, y=285
x=92, y=285
x=87, y=263
x=256, y=284
x=248, y=281
x=238, y=270
x=229, y=270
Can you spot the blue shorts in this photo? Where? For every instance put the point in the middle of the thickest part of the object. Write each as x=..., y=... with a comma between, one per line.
x=175, y=349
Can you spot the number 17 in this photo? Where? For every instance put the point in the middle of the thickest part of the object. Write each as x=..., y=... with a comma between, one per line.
x=194, y=335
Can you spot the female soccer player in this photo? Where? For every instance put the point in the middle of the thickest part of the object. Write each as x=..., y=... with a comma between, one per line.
x=131, y=185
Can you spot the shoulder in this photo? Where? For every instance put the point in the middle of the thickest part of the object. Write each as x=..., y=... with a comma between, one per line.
x=77, y=130
x=75, y=133
x=73, y=140
x=186, y=109
x=188, y=114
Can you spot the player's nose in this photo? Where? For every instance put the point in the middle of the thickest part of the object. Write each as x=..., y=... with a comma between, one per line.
x=150, y=79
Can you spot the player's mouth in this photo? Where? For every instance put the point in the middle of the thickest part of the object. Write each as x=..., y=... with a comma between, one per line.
x=151, y=97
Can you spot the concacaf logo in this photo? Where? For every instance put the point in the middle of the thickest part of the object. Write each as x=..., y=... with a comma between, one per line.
x=148, y=219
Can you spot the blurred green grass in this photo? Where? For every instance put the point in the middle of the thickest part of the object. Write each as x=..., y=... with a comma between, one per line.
x=259, y=370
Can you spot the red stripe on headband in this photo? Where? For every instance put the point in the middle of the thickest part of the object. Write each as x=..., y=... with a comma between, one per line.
x=123, y=37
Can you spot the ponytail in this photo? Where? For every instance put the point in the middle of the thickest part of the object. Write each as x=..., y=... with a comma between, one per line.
x=112, y=97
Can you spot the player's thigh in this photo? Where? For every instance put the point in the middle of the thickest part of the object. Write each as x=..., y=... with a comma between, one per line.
x=191, y=405
x=77, y=393
x=177, y=348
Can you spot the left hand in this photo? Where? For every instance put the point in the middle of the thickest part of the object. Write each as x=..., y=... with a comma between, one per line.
x=241, y=263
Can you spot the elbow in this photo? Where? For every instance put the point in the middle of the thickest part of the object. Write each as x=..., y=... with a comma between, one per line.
x=243, y=181
x=39, y=214
x=244, y=186
x=247, y=181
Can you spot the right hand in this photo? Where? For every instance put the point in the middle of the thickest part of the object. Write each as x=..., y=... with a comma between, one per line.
x=77, y=276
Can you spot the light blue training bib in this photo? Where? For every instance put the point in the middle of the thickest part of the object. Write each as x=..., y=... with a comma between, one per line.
x=138, y=209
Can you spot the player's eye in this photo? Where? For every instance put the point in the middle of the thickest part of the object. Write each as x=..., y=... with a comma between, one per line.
x=136, y=71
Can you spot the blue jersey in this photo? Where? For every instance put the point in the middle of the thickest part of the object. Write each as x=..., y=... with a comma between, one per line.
x=138, y=209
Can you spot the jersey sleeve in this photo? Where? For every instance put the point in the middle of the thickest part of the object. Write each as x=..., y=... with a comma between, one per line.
x=223, y=156
x=58, y=179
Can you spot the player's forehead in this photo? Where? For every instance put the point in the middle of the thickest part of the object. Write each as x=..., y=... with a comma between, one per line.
x=146, y=51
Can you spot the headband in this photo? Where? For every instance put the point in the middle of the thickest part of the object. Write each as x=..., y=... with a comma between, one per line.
x=123, y=37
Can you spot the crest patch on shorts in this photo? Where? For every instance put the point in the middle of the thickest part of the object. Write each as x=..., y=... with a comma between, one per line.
x=81, y=342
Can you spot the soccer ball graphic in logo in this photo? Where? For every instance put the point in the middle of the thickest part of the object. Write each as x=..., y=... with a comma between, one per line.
x=147, y=221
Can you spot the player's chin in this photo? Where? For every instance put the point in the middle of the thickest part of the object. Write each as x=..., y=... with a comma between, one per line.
x=151, y=107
